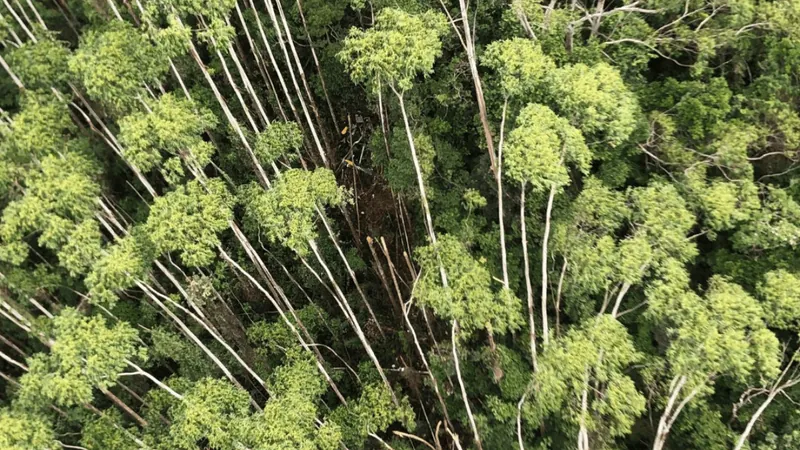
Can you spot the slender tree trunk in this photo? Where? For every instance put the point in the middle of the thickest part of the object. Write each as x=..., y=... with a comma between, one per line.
x=583, y=432
x=274, y=63
x=596, y=20
x=499, y=179
x=316, y=63
x=421, y=182
x=558, y=296
x=476, y=80
x=311, y=125
x=545, y=325
x=232, y=120
x=519, y=420
x=756, y=415
x=672, y=411
x=11, y=74
x=302, y=73
x=350, y=271
x=273, y=300
x=124, y=407
x=472, y=424
x=354, y=320
x=434, y=381
x=153, y=295
x=528, y=286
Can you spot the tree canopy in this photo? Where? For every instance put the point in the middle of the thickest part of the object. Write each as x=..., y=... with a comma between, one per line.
x=405, y=224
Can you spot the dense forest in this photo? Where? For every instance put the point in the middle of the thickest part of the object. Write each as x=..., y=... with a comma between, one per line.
x=399, y=224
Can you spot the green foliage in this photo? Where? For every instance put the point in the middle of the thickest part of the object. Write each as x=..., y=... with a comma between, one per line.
x=278, y=139
x=85, y=354
x=210, y=411
x=114, y=62
x=595, y=354
x=25, y=431
x=395, y=50
x=520, y=65
x=596, y=101
x=371, y=413
x=285, y=213
x=289, y=418
x=124, y=263
x=174, y=126
x=776, y=224
x=540, y=146
x=108, y=431
x=780, y=291
x=697, y=107
x=724, y=333
x=669, y=131
x=40, y=65
x=469, y=297
x=399, y=166
x=38, y=129
x=59, y=202
x=188, y=219
x=167, y=345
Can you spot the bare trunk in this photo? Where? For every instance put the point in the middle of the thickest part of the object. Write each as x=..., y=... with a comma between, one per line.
x=756, y=415
x=519, y=420
x=599, y=15
x=11, y=74
x=153, y=295
x=302, y=74
x=528, y=286
x=473, y=67
x=311, y=125
x=124, y=407
x=672, y=411
x=316, y=63
x=280, y=309
x=349, y=270
x=421, y=182
x=545, y=325
x=464, y=389
x=499, y=179
x=353, y=319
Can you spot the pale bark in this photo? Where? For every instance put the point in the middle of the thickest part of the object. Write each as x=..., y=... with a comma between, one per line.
x=434, y=381
x=316, y=63
x=281, y=312
x=499, y=180
x=545, y=325
x=302, y=74
x=472, y=424
x=420, y=181
x=11, y=74
x=311, y=125
x=672, y=411
x=476, y=80
x=519, y=421
x=153, y=295
x=350, y=271
x=353, y=320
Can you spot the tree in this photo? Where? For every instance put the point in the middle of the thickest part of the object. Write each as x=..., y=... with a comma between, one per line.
x=114, y=63
x=85, y=354
x=188, y=219
x=25, y=431
x=398, y=48
x=581, y=380
x=538, y=149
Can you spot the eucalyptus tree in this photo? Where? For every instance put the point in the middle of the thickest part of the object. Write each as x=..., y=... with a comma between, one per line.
x=539, y=149
x=398, y=48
